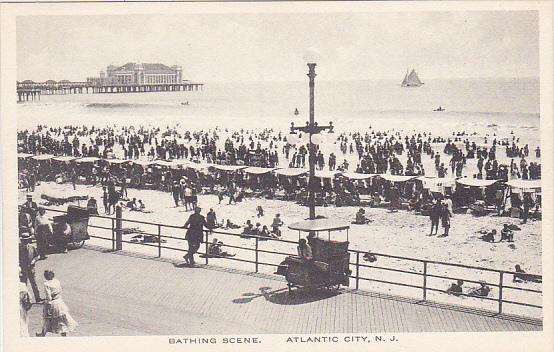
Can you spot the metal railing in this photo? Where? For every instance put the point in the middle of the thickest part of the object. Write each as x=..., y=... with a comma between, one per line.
x=425, y=275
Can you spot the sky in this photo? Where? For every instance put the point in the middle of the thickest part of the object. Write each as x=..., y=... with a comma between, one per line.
x=270, y=47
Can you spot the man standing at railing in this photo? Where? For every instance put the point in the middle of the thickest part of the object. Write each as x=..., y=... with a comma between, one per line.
x=195, y=225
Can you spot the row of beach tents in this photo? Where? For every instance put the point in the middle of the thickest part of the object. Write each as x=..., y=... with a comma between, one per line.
x=430, y=182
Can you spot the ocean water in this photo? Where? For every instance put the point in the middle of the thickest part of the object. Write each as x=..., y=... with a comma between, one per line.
x=484, y=106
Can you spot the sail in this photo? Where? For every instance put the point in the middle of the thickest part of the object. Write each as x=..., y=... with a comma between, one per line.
x=405, y=80
x=411, y=80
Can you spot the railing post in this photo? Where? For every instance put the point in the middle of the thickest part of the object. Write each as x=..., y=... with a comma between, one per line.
x=500, y=284
x=357, y=270
x=256, y=253
x=424, y=280
x=207, y=244
x=113, y=234
x=159, y=241
x=118, y=229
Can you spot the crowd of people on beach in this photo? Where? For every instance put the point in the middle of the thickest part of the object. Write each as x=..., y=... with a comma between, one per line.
x=376, y=153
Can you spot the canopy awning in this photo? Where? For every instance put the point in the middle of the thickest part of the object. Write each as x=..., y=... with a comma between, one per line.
x=162, y=163
x=474, y=182
x=358, y=176
x=397, y=178
x=228, y=167
x=437, y=181
x=64, y=158
x=87, y=159
x=258, y=170
x=24, y=155
x=525, y=184
x=326, y=174
x=197, y=166
x=292, y=171
x=142, y=162
x=43, y=157
x=117, y=161
x=319, y=225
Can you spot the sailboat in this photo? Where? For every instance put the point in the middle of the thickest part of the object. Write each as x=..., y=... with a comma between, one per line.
x=411, y=79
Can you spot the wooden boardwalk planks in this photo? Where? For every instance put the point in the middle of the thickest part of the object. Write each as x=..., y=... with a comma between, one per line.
x=228, y=301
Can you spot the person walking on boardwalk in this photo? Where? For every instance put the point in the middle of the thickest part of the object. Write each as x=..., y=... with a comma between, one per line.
x=56, y=317
x=28, y=256
x=195, y=226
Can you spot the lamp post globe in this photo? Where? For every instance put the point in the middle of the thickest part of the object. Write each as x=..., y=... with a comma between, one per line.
x=312, y=56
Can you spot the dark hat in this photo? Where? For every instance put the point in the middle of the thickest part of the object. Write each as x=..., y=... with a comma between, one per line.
x=29, y=196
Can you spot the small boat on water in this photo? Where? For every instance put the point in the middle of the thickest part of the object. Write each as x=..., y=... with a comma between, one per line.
x=411, y=79
x=440, y=108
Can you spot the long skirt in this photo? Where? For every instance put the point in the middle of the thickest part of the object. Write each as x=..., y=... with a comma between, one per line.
x=57, y=318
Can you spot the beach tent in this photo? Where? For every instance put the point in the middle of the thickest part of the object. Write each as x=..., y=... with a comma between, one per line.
x=258, y=170
x=142, y=162
x=526, y=185
x=358, y=176
x=43, y=157
x=87, y=159
x=117, y=161
x=326, y=174
x=24, y=155
x=162, y=163
x=64, y=159
x=197, y=166
x=474, y=182
x=175, y=164
x=437, y=184
x=397, y=178
x=292, y=171
x=228, y=167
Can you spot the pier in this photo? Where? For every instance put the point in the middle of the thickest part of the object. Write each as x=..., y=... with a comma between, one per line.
x=28, y=90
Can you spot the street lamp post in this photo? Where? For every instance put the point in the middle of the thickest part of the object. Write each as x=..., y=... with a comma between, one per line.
x=311, y=128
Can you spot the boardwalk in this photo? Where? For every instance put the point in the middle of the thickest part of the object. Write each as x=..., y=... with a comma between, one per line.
x=124, y=294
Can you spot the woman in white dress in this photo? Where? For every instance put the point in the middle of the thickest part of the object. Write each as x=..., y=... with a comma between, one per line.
x=56, y=317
